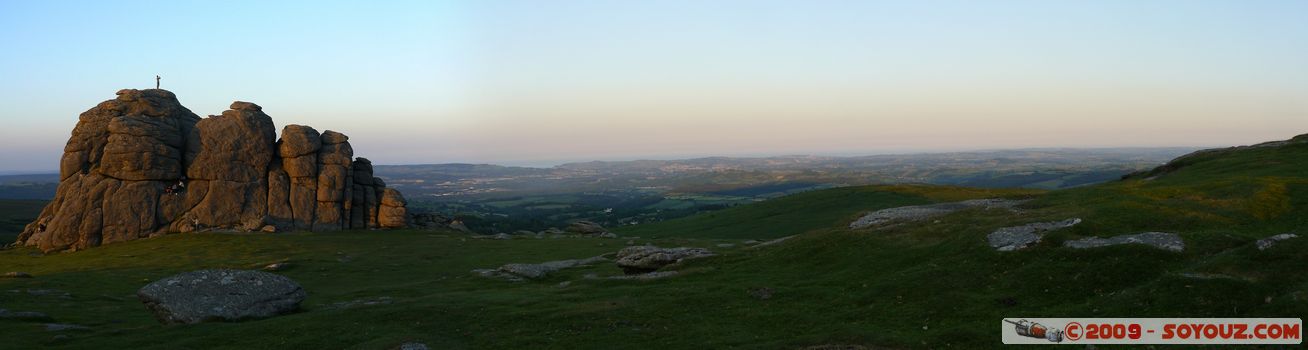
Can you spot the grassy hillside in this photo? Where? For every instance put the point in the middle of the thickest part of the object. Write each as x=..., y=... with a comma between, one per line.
x=931, y=284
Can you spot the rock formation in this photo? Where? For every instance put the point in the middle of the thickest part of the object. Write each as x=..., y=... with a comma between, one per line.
x=142, y=165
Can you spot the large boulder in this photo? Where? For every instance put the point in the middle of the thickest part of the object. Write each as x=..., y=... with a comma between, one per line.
x=643, y=259
x=142, y=165
x=220, y=295
x=117, y=161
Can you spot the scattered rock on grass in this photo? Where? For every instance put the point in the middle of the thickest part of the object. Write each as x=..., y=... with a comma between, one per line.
x=412, y=346
x=59, y=327
x=23, y=315
x=645, y=276
x=542, y=269
x=923, y=212
x=16, y=274
x=220, y=295
x=1160, y=240
x=359, y=302
x=771, y=242
x=642, y=259
x=1268, y=242
x=1018, y=237
x=49, y=293
x=518, y=272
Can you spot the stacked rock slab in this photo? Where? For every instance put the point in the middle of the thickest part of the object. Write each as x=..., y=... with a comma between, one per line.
x=143, y=165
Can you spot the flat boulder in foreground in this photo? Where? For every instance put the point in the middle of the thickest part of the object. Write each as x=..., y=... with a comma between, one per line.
x=220, y=295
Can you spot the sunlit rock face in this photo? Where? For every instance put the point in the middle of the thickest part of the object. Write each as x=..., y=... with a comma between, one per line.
x=142, y=165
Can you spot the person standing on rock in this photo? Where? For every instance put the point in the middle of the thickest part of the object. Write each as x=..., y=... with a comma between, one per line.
x=156, y=81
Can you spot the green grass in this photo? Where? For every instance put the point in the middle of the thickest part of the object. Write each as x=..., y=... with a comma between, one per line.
x=932, y=284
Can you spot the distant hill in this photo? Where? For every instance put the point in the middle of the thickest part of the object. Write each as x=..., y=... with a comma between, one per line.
x=28, y=186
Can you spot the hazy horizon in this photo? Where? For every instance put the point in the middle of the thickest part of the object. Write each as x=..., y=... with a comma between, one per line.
x=520, y=82
x=549, y=163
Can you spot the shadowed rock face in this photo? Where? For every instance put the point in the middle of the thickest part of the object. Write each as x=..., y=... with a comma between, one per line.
x=142, y=165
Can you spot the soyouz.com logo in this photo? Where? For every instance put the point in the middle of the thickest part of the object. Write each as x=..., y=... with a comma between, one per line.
x=1152, y=330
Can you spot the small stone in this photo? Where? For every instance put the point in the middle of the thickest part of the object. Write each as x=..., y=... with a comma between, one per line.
x=564, y=284
x=269, y=228
x=277, y=266
x=16, y=274
x=413, y=346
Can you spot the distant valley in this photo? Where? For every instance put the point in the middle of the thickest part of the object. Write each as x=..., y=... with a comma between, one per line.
x=492, y=198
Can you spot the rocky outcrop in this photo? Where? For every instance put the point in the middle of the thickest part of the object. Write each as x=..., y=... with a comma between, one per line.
x=220, y=295
x=644, y=259
x=1017, y=237
x=1160, y=240
x=923, y=212
x=142, y=165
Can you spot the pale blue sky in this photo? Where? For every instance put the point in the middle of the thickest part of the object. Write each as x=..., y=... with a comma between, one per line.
x=531, y=82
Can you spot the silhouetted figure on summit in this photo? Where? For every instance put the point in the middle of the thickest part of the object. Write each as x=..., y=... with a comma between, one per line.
x=156, y=82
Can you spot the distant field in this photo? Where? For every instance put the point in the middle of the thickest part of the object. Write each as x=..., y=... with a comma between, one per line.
x=16, y=213
x=806, y=211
